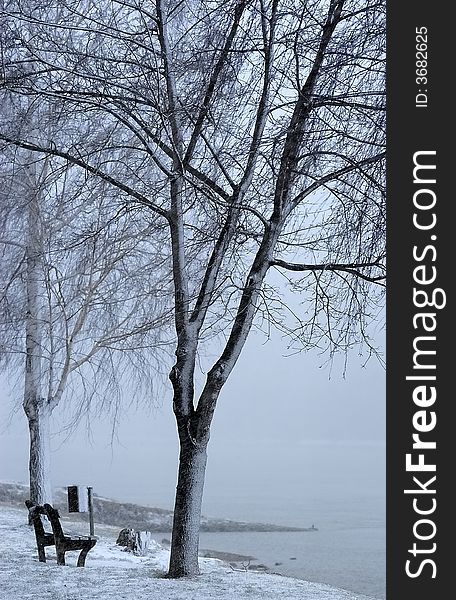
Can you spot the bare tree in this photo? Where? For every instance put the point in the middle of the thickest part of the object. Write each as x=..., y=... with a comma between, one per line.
x=80, y=296
x=260, y=125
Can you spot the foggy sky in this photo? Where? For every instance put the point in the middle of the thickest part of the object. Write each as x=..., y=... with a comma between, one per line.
x=283, y=434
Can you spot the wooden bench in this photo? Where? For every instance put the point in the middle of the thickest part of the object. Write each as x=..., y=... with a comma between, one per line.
x=63, y=543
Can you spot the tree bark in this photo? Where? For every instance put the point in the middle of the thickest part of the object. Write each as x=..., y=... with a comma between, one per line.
x=187, y=509
x=40, y=456
x=36, y=407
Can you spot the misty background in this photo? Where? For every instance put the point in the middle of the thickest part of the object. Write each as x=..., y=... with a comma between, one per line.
x=290, y=436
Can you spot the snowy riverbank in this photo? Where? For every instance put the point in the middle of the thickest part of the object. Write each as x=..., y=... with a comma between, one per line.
x=111, y=574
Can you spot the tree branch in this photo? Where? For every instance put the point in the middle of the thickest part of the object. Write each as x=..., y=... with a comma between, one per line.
x=335, y=175
x=347, y=267
x=84, y=165
x=213, y=80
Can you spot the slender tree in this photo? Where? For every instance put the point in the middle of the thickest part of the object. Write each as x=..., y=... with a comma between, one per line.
x=255, y=131
x=80, y=297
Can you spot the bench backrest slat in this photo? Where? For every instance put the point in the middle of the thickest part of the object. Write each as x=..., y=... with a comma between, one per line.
x=35, y=513
x=54, y=518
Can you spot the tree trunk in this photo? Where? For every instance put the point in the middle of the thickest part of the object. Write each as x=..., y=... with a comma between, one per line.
x=187, y=510
x=40, y=456
x=36, y=407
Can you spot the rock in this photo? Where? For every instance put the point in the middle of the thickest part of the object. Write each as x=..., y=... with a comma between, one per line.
x=137, y=542
x=127, y=538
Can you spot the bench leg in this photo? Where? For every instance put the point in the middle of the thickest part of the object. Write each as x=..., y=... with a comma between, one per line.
x=82, y=557
x=60, y=555
x=41, y=554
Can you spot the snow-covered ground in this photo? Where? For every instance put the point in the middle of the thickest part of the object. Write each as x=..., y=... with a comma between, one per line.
x=112, y=574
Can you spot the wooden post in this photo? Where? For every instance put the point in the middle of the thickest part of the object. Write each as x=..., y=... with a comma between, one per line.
x=89, y=498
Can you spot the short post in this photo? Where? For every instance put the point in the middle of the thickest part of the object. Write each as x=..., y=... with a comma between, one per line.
x=90, y=503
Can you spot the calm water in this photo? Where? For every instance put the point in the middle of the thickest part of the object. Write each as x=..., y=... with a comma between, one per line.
x=347, y=551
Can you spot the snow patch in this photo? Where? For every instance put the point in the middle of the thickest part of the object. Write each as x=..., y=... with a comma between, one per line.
x=113, y=574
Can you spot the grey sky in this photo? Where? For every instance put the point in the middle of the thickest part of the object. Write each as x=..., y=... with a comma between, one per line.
x=283, y=433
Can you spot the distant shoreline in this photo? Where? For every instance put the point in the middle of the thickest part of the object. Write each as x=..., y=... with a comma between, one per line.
x=125, y=514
